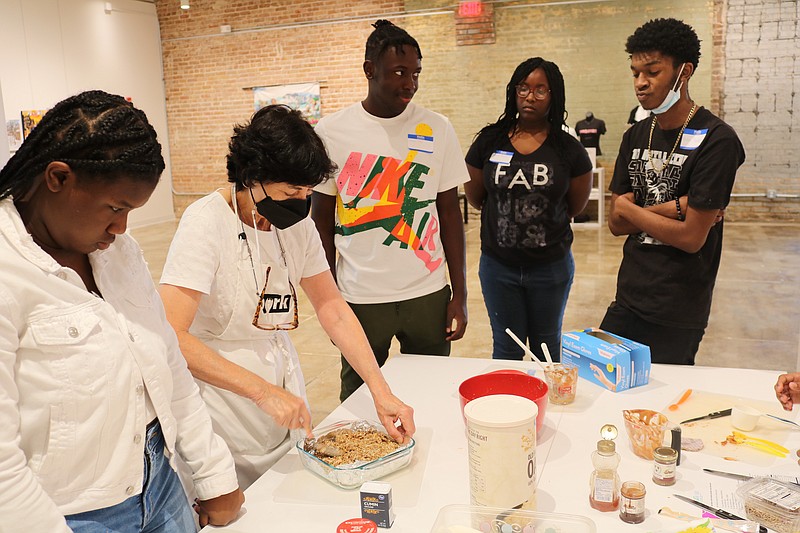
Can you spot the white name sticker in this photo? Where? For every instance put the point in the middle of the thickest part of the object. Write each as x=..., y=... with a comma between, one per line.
x=501, y=158
x=692, y=138
x=420, y=143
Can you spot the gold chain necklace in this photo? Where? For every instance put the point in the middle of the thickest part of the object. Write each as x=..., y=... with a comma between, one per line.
x=677, y=141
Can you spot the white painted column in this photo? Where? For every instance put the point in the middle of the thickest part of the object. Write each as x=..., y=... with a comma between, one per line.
x=4, y=151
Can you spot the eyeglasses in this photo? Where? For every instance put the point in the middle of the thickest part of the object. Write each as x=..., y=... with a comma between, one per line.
x=268, y=303
x=539, y=93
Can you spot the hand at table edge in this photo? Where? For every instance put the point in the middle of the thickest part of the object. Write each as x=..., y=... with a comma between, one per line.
x=219, y=511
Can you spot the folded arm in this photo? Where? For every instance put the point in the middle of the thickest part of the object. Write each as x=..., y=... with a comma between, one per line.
x=474, y=188
x=661, y=221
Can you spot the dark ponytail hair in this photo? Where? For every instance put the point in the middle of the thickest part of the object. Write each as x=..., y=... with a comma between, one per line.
x=386, y=35
x=556, y=116
x=99, y=135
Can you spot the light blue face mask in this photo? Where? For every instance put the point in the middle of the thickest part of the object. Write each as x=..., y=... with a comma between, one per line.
x=672, y=96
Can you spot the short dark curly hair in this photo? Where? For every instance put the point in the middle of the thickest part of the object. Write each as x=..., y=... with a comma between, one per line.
x=277, y=146
x=671, y=37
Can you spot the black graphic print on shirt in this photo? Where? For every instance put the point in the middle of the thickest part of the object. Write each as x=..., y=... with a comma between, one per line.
x=521, y=202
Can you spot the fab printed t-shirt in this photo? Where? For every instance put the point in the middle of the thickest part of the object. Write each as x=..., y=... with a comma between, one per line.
x=387, y=230
x=658, y=282
x=524, y=218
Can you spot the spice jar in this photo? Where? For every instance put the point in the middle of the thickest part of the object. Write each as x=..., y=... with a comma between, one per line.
x=631, y=502
x=664, y=465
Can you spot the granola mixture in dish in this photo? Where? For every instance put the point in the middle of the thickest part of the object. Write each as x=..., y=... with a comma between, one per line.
x=356, y=445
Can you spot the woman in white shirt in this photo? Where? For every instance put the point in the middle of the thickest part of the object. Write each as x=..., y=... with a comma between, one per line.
x=95, y=398
x=229, y=289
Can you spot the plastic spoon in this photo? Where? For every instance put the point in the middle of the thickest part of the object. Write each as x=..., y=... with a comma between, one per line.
x=547, y=355
x=525, y=348
x=674, y=406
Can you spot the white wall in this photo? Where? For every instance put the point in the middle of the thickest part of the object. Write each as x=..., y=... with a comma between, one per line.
x=3, y=142
x=51, y=49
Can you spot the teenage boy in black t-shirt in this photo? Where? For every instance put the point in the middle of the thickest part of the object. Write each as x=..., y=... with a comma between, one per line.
x=672, y=182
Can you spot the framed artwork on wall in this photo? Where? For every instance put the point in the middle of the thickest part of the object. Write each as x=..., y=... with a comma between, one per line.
x=14, y=130
x=30, y=119
x=301, y=96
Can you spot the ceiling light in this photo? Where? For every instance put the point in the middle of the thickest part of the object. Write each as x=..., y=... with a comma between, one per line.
x=185, y=4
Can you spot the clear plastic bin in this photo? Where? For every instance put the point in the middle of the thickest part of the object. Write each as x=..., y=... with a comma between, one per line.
x=353, y=476
x=476, y=519
x=772, y=503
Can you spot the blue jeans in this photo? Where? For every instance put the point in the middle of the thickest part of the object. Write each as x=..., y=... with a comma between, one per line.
x=162, y=506
x=528, y=300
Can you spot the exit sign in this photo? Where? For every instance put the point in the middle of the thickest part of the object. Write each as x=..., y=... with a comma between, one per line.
x=470, y=9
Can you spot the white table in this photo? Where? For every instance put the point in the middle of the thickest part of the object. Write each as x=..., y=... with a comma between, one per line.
x=430, y=385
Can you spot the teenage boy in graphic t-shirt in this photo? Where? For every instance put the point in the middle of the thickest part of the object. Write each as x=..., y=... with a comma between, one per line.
x=672, y=182
x=392, y=212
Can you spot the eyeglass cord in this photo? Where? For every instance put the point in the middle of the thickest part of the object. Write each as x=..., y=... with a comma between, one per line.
x=243, y=236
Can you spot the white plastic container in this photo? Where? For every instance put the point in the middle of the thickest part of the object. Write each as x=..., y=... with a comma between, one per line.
x=772, y=503
x=501, y=436
x=475, y=519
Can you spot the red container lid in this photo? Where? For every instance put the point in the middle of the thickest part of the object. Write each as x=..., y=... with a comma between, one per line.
x=357, y=525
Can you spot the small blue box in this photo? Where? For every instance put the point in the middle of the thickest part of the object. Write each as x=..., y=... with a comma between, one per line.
x=611, y=361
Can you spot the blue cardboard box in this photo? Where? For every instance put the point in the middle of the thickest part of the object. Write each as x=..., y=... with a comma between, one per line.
x=611, y=361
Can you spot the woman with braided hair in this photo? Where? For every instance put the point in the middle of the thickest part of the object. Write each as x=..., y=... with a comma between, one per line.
x=95, y=397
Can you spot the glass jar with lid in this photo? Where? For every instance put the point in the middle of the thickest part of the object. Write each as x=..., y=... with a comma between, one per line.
x=665, y=461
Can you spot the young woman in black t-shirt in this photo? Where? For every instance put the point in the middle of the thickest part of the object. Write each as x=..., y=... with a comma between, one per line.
x=528, y=178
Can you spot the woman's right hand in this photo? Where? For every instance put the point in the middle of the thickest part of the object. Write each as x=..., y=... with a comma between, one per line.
x=285, y=408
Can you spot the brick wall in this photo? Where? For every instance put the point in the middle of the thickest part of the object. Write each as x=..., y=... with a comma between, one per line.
x=206, y=72
x=762, y=102
x=291, y=41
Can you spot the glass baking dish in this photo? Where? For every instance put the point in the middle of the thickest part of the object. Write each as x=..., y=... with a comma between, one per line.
x=354, y=475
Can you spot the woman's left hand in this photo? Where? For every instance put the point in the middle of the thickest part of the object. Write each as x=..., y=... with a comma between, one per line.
x=396, y=417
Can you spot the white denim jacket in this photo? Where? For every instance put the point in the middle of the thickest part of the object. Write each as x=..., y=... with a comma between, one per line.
x=75, y=371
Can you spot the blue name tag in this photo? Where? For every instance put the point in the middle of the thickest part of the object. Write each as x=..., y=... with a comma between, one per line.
x=501, y=157
x=420, y=143
x=691, y=139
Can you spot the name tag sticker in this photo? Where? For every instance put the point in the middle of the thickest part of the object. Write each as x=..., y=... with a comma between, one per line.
x=692, y=138
x=420, y=143
x=501, y=158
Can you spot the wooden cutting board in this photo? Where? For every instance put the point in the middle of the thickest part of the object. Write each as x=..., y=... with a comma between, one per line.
x=714, y=432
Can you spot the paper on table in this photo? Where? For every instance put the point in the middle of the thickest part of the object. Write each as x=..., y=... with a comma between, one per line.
x=723, y=498
x=301, y=486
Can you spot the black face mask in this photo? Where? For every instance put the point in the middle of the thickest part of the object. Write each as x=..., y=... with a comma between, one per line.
x=283, y=213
